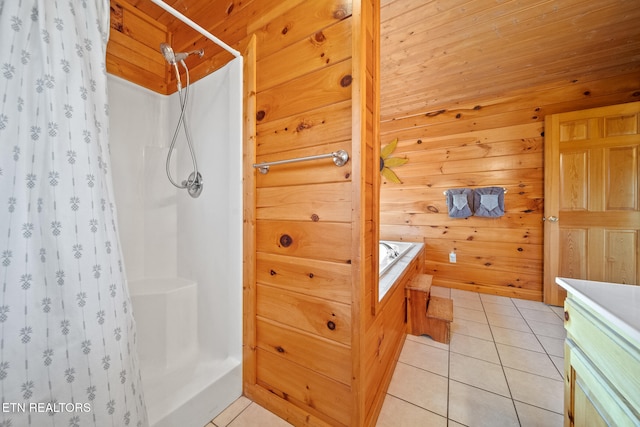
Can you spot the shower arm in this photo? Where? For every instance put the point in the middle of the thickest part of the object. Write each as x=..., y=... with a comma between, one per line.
x=197, y=27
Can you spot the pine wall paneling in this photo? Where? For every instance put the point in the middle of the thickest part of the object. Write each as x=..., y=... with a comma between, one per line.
x=465, y=87
x=249, y=261
x=133, y=49
x=305, y=290
x=382, y=322
x=299, y=299
x=466, y=90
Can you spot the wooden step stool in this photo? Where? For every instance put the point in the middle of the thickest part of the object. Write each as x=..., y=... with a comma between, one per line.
x=426, y=314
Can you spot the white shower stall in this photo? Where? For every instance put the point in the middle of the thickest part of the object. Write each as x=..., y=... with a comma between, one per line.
x=183, y=255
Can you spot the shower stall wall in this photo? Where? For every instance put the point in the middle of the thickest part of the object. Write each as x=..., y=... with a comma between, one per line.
x=183, y=255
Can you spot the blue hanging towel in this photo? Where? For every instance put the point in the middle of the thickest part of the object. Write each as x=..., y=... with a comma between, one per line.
x=460, y=202
x=489, y=202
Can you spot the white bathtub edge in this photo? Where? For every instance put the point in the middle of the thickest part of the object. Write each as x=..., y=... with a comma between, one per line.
x=387, y=280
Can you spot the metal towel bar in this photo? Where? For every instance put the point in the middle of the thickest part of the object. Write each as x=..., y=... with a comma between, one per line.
x=340, y=158
x=445, y=192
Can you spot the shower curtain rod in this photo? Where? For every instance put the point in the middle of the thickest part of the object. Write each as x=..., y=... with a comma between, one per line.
x=197, y=27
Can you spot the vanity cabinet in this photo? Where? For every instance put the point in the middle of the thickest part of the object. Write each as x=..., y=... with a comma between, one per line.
x=602, y=354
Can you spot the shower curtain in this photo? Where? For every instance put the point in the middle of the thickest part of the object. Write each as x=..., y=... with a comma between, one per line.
x=67, y=334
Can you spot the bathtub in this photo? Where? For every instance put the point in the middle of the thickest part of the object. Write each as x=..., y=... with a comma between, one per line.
x=182, y=384
x=385, y=256
x=394, y=257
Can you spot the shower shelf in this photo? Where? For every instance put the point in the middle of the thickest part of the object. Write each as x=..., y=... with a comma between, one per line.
x=340, y=158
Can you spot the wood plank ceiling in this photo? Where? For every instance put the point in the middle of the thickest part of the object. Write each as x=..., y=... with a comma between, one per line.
x=438, y=54
x=139, y=26
x=435, y=54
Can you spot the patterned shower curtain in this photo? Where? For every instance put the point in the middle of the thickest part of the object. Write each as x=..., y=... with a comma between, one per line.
x=67, y=334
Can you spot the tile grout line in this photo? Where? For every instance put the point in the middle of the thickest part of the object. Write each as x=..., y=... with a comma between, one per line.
x=545, y=352
x=540, y=342
x=449, y=369
x=449, y=365
x=504, y=374
x=251, y=402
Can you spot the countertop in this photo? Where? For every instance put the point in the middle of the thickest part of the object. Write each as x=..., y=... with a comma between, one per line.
x=618, y=304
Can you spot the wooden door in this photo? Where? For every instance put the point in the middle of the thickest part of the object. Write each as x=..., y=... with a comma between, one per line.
x=592, y=207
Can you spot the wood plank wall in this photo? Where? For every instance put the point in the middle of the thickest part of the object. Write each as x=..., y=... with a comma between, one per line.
x=305, y=214
x=481, y=126
x=318, y=346
x=138, y=27
x=133, y=50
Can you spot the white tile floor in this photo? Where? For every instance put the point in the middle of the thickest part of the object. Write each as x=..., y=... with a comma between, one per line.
x=503, y=367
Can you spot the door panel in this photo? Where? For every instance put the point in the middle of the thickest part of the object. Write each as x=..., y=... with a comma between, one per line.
x=574, y=167
x=573, y=243
x=622, y=181
x=592, y=206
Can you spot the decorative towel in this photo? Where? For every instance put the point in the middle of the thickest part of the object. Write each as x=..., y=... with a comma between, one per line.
x=459, y=202
x=488, y=202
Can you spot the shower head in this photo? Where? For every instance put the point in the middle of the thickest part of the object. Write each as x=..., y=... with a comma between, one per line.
x=168, y=54
x=172, y=57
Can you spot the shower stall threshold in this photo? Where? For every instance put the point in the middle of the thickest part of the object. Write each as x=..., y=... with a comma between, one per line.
x=210, y=386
